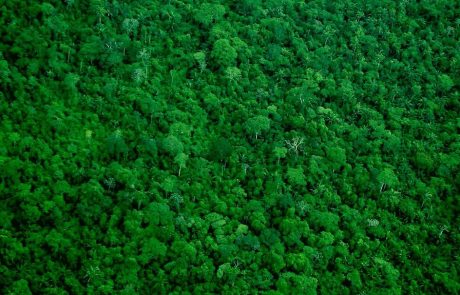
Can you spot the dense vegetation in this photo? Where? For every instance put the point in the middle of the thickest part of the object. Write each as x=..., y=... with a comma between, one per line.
x=237, y=147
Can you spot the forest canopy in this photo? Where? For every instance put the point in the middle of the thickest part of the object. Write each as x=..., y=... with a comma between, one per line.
x=229, y=147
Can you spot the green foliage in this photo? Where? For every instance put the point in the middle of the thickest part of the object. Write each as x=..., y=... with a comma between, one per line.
x=355, y=279
x=116, y=144
x=280, y=152
x=172, y=145
x=20, y=287
x=223, y=53
x=233, y=74
x=387, y=178
x=243, y=147
x=152, y=249
x=220, y=149
x=445, y=83
x=296, y=176
x=208, y=13
x=337, y=156
x=181, y=160
x=257, y=125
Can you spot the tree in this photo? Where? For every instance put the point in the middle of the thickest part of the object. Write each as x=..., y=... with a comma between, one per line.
x=233, y=74
x=220, y=149
x=208, y=13
x=172, y=145
x=296, y=176
x=298, y=284
x=20, y=287
x=200, y=58
x=280, y=152
x=355, y=279
x=223, y=53
x=295, y=144
x=151, y=250
x=92, y=48
x=70, y=82
x=387, y=178
x=181, y=160
x=445, y=83
x=337, y=156
x=257, y=124
x=116, y=144
x=4, y=70
x=130, y=25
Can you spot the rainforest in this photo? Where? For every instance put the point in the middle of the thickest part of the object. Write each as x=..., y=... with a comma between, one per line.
x=229, y=147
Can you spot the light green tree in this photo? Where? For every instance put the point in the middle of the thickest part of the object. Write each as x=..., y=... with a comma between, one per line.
x=223, y=53
x=280, y=152
x=296, y=176
x=387, y=178
x=257, y=124
x=207, y=13
x=181, y=160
